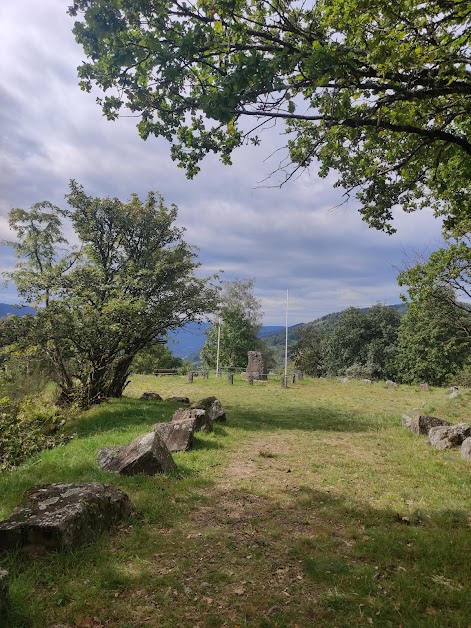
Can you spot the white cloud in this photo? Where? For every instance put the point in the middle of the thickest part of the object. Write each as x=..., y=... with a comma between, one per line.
x=287, y=238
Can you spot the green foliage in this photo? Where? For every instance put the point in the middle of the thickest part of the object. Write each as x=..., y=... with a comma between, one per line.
x=376, y=91
x=156, y=356
x=131, y=280
x=430, y=346
x=238, y=322
x=308, y=351
x=445, y=274
x=367, y=339
x=26, y=428
x=237, y=337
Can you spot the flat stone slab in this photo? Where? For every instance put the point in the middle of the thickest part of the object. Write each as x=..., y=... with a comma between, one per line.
x=449, y=436
x=4, y=578
x=146, y=454
x=179, y=399
x=177, y=435
x=213, y=408
x=57, y=516
x=202, y=421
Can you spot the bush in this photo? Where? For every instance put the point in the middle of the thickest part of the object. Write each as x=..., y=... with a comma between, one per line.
x=27, y=428
x=359, y=371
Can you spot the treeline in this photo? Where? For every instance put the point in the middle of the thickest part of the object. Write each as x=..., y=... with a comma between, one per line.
x=429, y=343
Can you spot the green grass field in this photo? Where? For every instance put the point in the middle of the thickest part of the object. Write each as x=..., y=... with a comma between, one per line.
x=311, y=506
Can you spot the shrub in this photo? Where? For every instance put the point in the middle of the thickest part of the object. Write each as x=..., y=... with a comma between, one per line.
x=27, y=428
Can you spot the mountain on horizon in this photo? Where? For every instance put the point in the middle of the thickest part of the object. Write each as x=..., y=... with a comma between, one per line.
x=186, y=343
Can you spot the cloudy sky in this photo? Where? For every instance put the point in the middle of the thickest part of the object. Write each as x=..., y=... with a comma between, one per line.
x=289, y=238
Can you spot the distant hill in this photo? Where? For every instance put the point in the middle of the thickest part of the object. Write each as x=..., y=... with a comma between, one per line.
x=6, y=308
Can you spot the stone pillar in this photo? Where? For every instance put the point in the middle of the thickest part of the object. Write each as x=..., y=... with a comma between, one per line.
x=230, y=378
x=190, y=377
x=293, y=378
x=250, y=379
x=205, y=374
x=284, y=381
x=256, y=365
x=300, y=376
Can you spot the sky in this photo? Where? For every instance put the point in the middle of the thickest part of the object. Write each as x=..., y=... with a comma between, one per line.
x=292, y=238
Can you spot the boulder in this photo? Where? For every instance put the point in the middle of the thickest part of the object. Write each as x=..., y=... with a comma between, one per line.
x=367, y=381
x=466, y=449
x=57, y=516
x=390, y=384
x=4, y=578
x=202, y=422
x=151, y=396
x=179, y=399
x=454, y=393
x=213, y=408
x=146, y=454
x=344, y=380
x=448, y=437
x=422, y=423
x=177, y=435
x=423, y=387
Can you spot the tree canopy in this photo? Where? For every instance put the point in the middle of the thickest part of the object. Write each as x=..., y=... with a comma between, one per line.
x=378, y=91
x=237, y=322
x=131, y=280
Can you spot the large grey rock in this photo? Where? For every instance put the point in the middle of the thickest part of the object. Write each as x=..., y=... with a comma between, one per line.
x=59, y=516
x=146, y=454
x=4, y=578
x=177, y=435
x=390, y=384
x=466, y=449
x=202, y=421
x=448, y=437
x=213, y=408
x=423, y=387
x=454, y=393
x=422, y=423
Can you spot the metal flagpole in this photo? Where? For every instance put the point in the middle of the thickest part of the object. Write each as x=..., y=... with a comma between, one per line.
x=286, y=339
x=219, y=344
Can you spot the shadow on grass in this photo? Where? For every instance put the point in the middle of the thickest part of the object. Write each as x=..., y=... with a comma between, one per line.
x=340, y=563
x=121, y=414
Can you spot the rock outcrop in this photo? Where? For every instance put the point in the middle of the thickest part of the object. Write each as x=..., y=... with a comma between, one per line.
x=179, y=399
x=449, y=436
x=151, y=396
x=212, y=407
x=146, y=454
x=57, y=516
x=177, y=435
x=422, y=423
x=202, y=422
x=466, y=449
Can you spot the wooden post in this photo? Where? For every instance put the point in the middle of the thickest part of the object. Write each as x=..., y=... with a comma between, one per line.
x=230, y=378
x=293, y=378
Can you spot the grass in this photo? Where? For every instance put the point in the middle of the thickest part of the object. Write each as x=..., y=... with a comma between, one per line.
x=312, y=506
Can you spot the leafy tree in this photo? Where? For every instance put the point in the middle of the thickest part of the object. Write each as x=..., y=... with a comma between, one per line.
x=448, y=268
x=239, y=317
x=430, y=349
x=132, y=279
x=377, y=90
x=155, y=356
x=238, y=336
x=366, y=339
x=308, y=351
